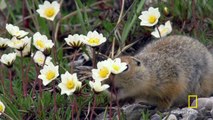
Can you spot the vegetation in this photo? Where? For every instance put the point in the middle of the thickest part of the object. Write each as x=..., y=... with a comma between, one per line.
x=117, y=20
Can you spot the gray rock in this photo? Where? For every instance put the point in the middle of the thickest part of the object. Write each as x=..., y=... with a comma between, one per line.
x=170, y=117
x=133, y=112
x=127, y=112
x=186, y=113
x=177, y=111
x=206, y=103
x=189, y=114
x=211, y=112
x=155, y=117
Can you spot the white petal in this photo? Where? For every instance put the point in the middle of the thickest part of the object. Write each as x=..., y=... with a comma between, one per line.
x=105, y=86
x=155, y=33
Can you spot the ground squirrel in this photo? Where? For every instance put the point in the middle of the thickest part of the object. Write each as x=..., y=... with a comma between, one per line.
x=166, y=71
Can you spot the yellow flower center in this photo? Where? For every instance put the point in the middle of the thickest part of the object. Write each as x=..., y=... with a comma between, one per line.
x=40, y=43
x=103, y=72
x=70, y=84
x=49, y=12
x=115, y=67
x=94, y=41
x=17, y=33
x=18, y=42
x=163, y=31
x=50, y=75
x=1, y=108
x=152, y=19
x=40, y=60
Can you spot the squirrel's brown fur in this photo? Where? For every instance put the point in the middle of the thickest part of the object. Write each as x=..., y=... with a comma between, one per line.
x=166, y=71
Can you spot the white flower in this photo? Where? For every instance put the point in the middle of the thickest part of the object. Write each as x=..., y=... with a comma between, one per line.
x=41, y=42
x=39, y=58
x=117, y=66
x=94, y=39
x=26, y=51
x=15, y=31
x=75, y=40
x=150, y=17
x=49, y=10
x=163, y=29
x=3, y=42
x=8, y=59
x=103, y=70
x=2, y=107
x=19, y=44
x=69, y=83
x=97, y=87
x=48, y=73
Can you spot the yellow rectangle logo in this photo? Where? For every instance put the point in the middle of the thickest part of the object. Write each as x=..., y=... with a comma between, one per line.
x=194, y=97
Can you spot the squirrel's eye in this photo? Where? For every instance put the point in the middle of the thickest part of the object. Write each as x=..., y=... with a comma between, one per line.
x=138, y=63
x=127, y=67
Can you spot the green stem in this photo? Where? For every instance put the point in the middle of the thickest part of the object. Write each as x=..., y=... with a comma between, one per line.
x=72, y=66
x=73, y=108
x=55, y=42
x=116, y=98
x=31, y=8
x=110, y=108
x=1, y=75
x=93, y=58
x=11, y=83
x=76, y=107
x=129, y=24
x=38, y=81
x=118, y=22
x=54, y=95
x=93, y=107
x=10, y=118
x=22, y=72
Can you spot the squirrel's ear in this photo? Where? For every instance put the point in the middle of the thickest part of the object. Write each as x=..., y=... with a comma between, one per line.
x=138, y=62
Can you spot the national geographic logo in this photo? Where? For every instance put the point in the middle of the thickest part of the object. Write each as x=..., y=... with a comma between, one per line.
x=192, y=98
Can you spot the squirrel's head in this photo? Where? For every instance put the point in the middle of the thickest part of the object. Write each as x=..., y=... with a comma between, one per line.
x=127, y=82
x=133, y=65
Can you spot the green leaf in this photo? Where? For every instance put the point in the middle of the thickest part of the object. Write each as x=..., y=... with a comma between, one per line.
x=129, y=24
x=108, y=26
x=10, y=108
x=80, y=15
